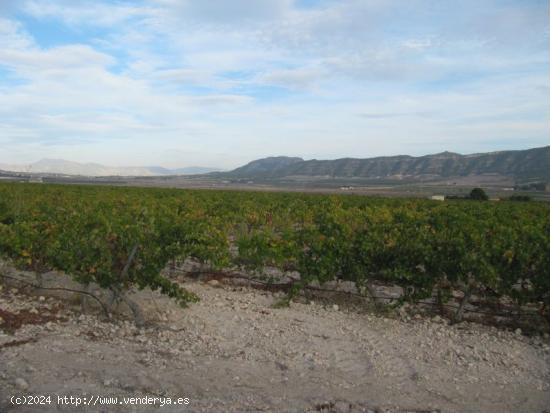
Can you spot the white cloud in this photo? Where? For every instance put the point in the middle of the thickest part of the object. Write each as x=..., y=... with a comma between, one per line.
x=360, y=77
x=32, y=62
x=227, y=12
x=192, y=76
x=12, y=36
x=85, y=12
x=303, y=78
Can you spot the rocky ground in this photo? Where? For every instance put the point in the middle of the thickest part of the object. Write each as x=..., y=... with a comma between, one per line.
x=233, y=352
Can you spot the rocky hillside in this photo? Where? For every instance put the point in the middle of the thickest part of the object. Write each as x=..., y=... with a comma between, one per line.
x=524, y=165
x=267, y=167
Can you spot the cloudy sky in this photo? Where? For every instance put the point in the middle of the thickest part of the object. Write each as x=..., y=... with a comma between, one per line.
x=221, y=82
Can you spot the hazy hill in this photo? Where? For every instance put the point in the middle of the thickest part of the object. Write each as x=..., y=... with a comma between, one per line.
x=60, y=166
x=523, y=165
x=267, y=167
x=531, y=164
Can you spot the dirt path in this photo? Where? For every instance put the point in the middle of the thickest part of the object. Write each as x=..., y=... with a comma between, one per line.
x=233, y=352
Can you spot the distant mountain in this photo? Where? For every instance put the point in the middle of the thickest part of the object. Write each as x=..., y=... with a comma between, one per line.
x=194, y=170
x=190, y=170
x=523, y=166
x=267, y=167
x=60, y=166
x=531, y=164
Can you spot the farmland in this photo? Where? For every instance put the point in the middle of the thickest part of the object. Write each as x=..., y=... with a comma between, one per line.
x=124, y=237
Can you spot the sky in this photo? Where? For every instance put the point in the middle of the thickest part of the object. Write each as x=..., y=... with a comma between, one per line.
x=219, y=83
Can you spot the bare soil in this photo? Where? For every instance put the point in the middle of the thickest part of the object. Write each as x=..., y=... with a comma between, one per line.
x=233, y=352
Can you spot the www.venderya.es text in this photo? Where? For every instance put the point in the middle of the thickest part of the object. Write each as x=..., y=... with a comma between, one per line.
x=96, y=400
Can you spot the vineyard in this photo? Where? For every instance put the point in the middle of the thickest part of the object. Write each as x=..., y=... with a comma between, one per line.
x=120, y=238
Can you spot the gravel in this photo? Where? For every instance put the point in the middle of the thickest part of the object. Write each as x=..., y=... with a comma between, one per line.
x=234, y=352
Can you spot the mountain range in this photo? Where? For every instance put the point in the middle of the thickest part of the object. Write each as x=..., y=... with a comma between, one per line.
x=528, y=165
x=522, y=165
x=63, y=167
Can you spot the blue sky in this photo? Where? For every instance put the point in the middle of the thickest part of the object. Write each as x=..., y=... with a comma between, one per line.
x=219, y=83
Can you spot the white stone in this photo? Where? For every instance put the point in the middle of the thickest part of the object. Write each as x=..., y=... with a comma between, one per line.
x=21, y=383
x=214, y=283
